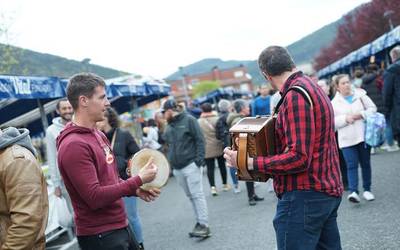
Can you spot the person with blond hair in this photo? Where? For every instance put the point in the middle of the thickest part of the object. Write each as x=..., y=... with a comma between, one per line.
x=351, y=107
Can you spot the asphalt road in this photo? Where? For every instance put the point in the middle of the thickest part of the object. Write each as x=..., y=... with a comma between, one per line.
x=235, y=225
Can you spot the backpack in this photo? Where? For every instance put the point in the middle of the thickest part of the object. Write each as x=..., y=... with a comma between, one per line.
x=222, y=130
x=375, y=125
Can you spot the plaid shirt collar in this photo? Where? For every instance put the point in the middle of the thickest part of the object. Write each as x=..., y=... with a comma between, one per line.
x=292, y=78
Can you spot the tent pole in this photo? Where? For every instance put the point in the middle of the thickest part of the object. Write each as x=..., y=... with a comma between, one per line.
x=45, y=124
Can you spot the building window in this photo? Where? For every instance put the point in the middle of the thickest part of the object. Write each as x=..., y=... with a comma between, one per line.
x=244, y=87
x=238, y=73
x=194, y=81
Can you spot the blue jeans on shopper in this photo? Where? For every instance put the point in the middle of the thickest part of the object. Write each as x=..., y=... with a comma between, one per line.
x=233, y=176
x=133, y=217
x=307, y=220
x=389, y=133
x=360, y=153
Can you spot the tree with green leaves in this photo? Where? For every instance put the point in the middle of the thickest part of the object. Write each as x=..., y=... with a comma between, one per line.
x=203, y=87
x=8, y=54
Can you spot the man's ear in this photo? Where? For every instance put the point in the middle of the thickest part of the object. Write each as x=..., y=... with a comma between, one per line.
x=83, y=101
x=266, y=76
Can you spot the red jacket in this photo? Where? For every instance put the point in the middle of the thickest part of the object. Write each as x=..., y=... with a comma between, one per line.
x=93, y=184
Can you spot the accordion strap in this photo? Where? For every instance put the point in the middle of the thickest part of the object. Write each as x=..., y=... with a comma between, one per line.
x=242, y=156
x=299, y=89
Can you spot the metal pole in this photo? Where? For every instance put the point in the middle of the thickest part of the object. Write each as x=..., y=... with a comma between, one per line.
x=45, y=124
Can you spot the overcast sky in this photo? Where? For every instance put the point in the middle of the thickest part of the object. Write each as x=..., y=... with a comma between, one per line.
x=155, y=37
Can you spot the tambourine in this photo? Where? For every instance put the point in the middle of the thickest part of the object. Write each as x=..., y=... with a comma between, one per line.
x=140, y=159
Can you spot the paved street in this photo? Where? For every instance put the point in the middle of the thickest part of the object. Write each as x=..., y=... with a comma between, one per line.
x=368, y=225
x=235, y=225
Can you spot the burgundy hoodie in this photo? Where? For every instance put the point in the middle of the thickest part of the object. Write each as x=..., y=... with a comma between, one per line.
x=93, y=184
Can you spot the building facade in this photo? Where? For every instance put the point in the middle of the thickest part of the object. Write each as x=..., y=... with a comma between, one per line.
x=237, y=78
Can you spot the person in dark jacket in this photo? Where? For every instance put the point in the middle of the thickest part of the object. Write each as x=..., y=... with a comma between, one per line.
x=186, y=153
x=124, y=147
x=391, y=92
x=222, y=134
x=371, y=83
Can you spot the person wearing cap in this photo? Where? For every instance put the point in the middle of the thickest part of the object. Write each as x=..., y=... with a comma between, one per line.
x=186, y=152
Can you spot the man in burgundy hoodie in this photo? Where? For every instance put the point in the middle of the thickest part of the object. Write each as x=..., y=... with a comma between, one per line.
x=89, y=171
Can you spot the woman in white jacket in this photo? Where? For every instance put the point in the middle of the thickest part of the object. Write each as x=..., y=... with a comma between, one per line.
x=351, y=107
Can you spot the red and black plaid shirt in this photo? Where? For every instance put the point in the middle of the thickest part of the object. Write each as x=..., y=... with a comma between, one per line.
x=307, y=156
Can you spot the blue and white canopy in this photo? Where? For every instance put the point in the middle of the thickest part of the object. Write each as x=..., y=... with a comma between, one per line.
x=387, y=40
x=21, y=96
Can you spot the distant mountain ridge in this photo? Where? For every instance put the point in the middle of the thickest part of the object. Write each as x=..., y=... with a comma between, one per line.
x=303, y=52
x=31, y=63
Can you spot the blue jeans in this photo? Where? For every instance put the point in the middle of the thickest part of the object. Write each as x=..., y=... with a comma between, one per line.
x=233, y=176
x=307, y=220
x=360, y=153
x=133, y=217
x=389, y=133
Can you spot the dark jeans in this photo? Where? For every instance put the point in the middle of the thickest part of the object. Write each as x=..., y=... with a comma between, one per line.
x=360, y=153
x=307, y=220
x=343, y=167
x=210, y=162
x=119, y=239
x=250, y=189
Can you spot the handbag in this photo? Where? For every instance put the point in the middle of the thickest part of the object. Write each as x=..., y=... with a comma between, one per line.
x=375, y=125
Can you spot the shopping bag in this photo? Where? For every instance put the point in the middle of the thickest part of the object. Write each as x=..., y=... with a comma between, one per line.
x=63, y=214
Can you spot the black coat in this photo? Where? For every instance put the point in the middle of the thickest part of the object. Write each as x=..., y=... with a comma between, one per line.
x=369, y=84
x=391, y=95
x=222, y=129
x=124, y=148
x=185, y=141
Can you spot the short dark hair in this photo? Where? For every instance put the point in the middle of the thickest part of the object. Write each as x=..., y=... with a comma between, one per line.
x=151, y=123
x=112, y=117
x=82, y=84
x=372, y=67
x=59, y=101
x=275, y=60
x=206, y=107
x=239, y=105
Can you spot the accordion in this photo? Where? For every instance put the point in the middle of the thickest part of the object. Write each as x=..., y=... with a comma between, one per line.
x=252, y=137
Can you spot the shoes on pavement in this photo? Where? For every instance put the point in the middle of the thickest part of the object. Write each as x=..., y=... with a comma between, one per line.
x=252, y=202
x=236, y=189
x=201, y=231
x=141, y=246
x=368, y=196
x=353, y=197
x=214, y=191
x=393, y=148
x=256, y=198
x=373, y=151
x=226, y=187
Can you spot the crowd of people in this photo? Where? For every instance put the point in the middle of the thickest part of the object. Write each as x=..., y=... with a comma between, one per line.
x=88, y=153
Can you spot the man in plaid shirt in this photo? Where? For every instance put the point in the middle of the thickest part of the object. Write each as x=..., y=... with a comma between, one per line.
x=306, y=168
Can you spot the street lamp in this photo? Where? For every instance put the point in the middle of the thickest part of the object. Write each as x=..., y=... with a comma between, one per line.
x=184, y=86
